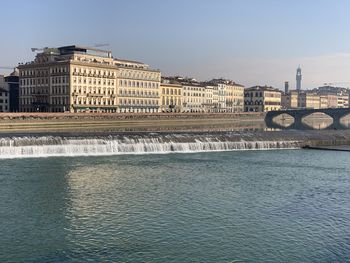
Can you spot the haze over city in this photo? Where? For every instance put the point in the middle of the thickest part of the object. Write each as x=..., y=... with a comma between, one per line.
x=252, y=42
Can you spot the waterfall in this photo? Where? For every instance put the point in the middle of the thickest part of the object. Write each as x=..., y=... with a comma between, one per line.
x=46, y=146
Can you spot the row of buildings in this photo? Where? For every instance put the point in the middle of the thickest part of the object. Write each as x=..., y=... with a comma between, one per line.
x=263, y=98
x=320, y=98
x=82, y=79
x=180, y=94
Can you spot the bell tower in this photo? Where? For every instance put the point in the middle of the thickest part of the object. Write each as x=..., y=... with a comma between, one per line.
x=298, y=78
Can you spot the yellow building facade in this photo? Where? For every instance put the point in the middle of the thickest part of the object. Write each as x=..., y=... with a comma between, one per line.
x=343, y=101
x=209, y=98
x=308, y=100
x=138, y=87
x=227, y=96
x=193, y=97
x=290, y=100
x=93, y=85
x=323, y=102
x=82, y=79
x=234, y=97
x=262, y=99
x=171, y=96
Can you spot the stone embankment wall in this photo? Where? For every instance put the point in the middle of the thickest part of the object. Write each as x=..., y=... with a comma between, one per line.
x=125, y=116
x=110, y=122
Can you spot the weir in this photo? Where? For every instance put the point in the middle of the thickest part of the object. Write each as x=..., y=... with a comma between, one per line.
x=46, y=146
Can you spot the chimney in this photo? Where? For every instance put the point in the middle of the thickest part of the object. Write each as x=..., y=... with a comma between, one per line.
x=286, y=87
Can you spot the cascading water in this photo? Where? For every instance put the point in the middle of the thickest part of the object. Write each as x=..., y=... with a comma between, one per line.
x=46, y=146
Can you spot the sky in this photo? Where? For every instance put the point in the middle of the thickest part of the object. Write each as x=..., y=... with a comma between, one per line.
x=253, y=42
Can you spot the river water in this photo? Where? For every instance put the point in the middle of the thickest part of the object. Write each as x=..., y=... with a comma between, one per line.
x=233, y=206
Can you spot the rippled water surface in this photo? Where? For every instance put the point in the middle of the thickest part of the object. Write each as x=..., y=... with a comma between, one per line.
x=251, y=206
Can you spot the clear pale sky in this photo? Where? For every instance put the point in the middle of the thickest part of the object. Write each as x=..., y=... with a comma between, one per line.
x=249, y=41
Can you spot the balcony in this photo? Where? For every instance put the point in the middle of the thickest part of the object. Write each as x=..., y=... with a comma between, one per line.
x=94, y=95
x=40, y=95
x=138, y=95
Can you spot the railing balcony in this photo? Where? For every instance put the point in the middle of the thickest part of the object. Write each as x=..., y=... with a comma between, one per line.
x=94, y=95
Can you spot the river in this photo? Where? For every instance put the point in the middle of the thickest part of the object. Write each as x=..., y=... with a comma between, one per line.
x=232, y=206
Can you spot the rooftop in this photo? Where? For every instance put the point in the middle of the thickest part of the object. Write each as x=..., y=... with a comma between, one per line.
x=263, y=88
x=128, y=61
x=76, y=48
x=185, y=81
x=224, y=81
x=167, y=80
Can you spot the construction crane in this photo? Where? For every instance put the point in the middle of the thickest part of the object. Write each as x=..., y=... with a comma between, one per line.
x=101, y=45
x=34, y=49
x=337, y=83
x=7, y=67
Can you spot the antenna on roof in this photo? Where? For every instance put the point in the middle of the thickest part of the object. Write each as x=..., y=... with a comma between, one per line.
x=34, y=49
x=101, y=45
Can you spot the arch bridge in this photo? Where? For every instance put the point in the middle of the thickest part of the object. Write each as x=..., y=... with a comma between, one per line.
x=298, y=115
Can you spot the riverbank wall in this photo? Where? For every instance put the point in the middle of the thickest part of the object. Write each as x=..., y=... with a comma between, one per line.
x=4, y=116
x=83, y=122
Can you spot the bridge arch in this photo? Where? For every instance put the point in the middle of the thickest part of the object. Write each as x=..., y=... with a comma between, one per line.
x=345, y=120
x=316, y=112
x=300, y=114
x=318, y=120
x=282, y=119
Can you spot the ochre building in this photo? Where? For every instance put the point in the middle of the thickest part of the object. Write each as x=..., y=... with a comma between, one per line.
x=262, y=99
x=83, y=79
x=171, y=95
x=228, y=96
x=308, y=100
x=289, y=100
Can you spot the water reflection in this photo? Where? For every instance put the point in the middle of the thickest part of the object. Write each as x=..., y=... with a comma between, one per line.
x=32, y=198
x=315, y=121
x=345, y=121
x=205, y=207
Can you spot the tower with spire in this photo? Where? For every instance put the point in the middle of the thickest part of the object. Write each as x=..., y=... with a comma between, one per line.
x=298, y=78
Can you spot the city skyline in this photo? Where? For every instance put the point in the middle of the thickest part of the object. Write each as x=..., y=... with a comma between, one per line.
x=252, y=43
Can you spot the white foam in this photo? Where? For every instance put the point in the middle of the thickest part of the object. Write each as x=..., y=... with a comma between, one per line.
x=26, y=147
